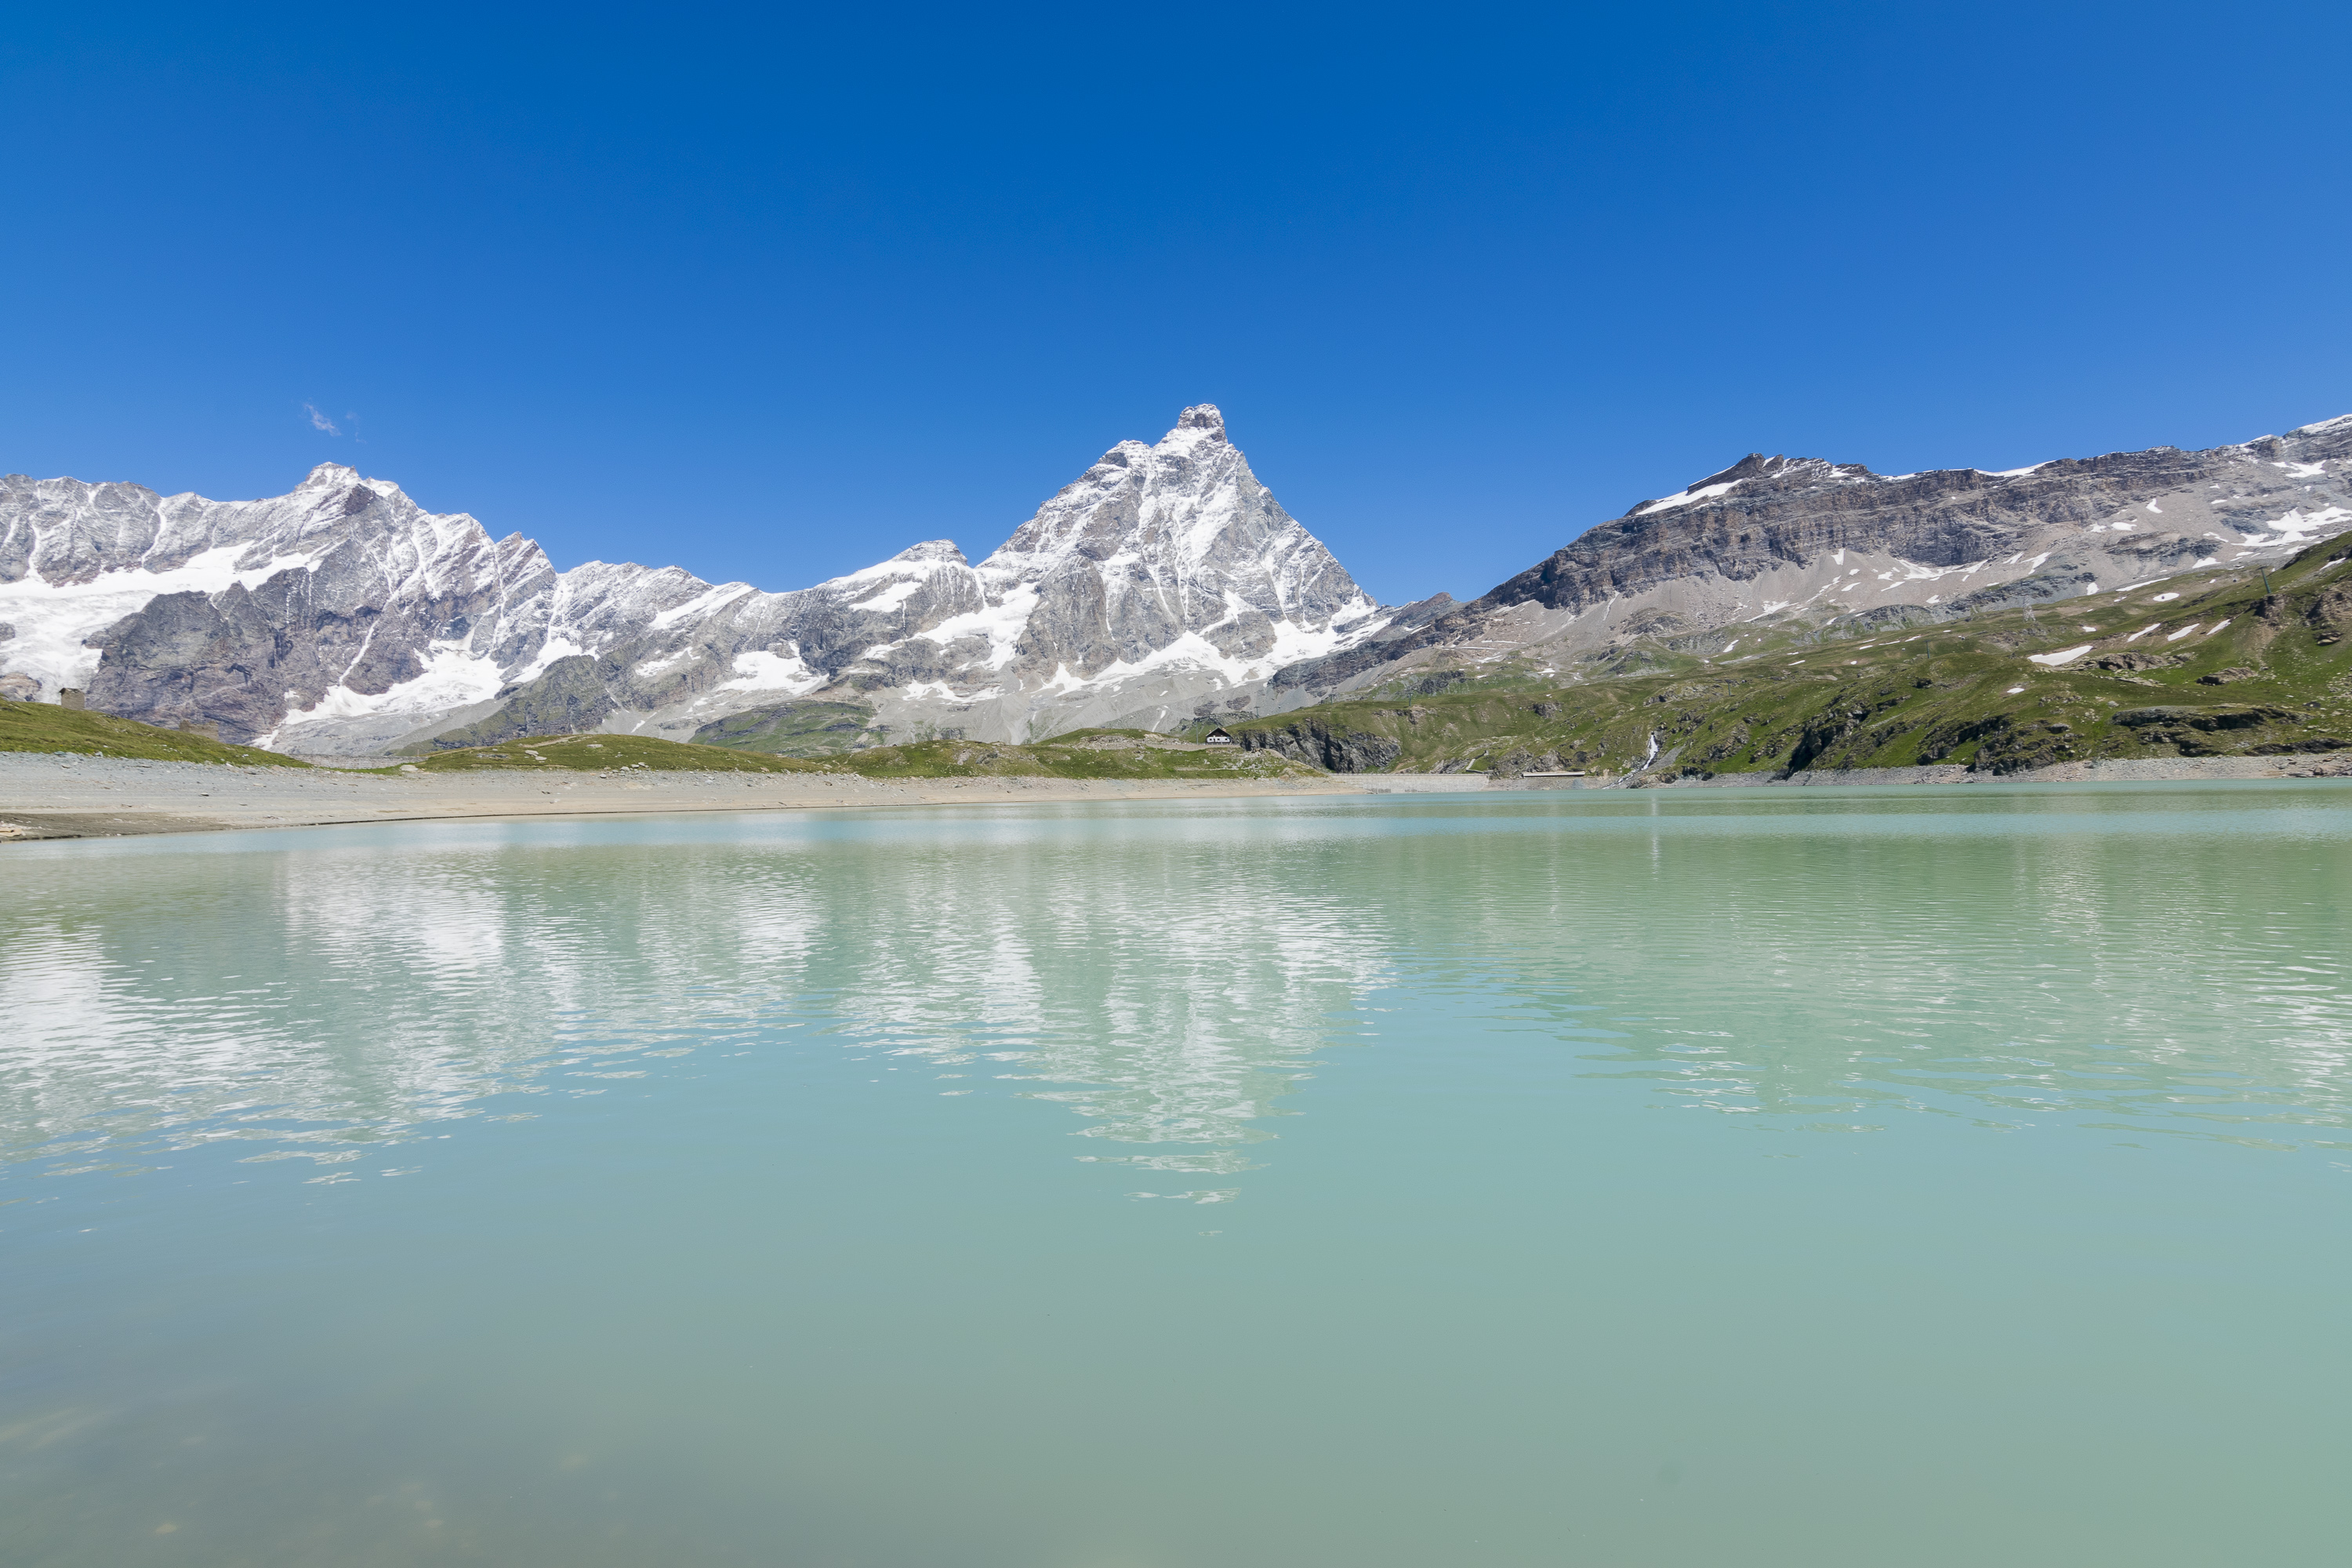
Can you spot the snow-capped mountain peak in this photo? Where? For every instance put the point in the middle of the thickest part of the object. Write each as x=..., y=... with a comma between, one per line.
x=343, y=617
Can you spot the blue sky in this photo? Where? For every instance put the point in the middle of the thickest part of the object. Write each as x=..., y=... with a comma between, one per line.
x=772, y=294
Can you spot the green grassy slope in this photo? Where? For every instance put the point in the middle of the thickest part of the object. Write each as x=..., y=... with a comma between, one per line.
x=1085, y=754
x=45, y=727
x=805, y=729
x=2204, y=664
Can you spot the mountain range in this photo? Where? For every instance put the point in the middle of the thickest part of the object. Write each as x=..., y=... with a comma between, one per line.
x=1163, y=585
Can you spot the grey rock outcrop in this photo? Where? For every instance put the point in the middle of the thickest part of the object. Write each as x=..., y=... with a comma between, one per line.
x=2209, y=719
x=572, y=695
x=1323, y=745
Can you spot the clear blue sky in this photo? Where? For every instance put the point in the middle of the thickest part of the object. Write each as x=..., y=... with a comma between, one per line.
x=772, y=294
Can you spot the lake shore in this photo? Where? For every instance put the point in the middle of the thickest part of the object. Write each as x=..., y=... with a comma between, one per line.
x=47, y=796
x=2112, y=769
x=50, y=795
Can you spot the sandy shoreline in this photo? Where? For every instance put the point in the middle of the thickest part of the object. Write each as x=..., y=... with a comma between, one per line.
x=53, y=797
x=69, y=796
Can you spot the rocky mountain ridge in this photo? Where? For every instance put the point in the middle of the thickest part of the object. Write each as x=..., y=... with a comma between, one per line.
x=344, y=618
x=2246, y=662
x=1163, y=585
x=1772, y=540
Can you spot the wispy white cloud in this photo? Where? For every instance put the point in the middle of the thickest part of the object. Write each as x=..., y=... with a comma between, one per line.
x=320, y=421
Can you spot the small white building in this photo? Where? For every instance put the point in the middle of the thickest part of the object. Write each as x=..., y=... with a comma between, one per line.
x=1217, y=737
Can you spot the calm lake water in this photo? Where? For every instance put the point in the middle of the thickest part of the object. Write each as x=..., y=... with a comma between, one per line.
x=1821, y=1178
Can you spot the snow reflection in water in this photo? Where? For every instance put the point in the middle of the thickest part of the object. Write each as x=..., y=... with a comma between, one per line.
x=332, y=1003
x=1169, y=977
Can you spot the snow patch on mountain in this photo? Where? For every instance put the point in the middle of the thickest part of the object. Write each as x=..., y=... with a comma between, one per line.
x=53, y=620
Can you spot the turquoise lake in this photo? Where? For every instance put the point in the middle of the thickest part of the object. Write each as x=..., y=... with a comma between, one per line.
x=1811, y=1177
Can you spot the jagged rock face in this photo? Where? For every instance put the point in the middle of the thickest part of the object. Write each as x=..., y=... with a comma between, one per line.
x=1167, y=569
x=1155, y=542
x=1313, y=741
x=1162, y=575
x=239, y=611
x=2118, y=517
x=573, y=694
x=1774, y=536
x=343, y=617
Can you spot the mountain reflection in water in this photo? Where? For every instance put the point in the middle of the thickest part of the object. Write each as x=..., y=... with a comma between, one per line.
x=325, y=1003
x=2168, y=964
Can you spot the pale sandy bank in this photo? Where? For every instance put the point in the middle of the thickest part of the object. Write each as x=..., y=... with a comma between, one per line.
x=45, y=796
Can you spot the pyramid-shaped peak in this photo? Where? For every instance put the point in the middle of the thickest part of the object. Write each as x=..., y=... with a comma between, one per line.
x=1203, y=417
